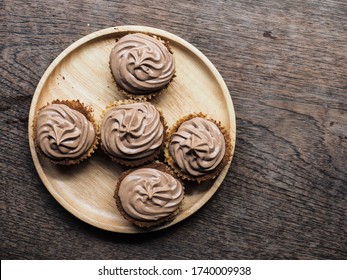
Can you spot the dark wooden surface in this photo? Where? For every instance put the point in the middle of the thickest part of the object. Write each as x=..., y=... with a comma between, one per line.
x=286, y=68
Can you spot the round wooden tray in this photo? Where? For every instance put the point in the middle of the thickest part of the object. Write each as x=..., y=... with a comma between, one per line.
x=82, y=72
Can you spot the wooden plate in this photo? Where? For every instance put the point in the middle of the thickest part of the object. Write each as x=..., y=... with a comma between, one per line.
x=82, y=72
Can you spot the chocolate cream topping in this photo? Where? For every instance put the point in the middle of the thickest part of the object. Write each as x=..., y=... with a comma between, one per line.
x=147, y=194
x=141, y=64
x=132, y=131
x=63, y=133
x=197, y=147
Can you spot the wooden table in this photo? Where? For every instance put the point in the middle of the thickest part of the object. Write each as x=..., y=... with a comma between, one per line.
x=285, y=65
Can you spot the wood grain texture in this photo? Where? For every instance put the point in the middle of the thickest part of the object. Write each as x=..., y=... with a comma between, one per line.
x=285, y=66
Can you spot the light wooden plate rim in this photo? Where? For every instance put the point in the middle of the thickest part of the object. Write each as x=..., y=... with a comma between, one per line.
x=109, y=32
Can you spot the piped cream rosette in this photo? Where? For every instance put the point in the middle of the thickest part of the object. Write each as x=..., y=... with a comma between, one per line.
x=198, y=147
x=142, y=65
x=149, y=195
x=132, y=132
x=65, y=132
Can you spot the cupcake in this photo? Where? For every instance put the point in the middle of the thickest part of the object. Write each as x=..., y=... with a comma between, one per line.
x=132, y=133
x=149, y=196
x=198, y=147
x=141, y=65
x=65, y=132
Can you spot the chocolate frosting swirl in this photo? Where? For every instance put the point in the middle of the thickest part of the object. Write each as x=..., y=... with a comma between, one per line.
x=197, y=147
x=147, y=194
x=132, y=131
x=63, y=133
x=141, y=64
